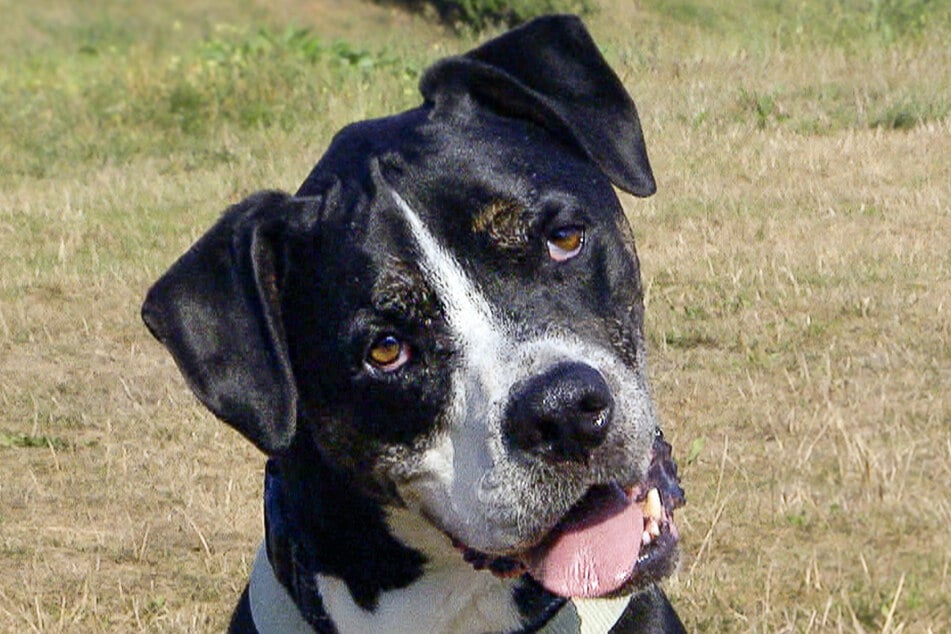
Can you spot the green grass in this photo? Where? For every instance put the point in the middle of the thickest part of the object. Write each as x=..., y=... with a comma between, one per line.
x=851, y=24
x=795, y=259
x=115, y=100
x=32, y=442
x=478, y=15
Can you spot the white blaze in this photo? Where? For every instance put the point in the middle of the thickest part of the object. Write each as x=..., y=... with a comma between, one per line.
x=467, y=311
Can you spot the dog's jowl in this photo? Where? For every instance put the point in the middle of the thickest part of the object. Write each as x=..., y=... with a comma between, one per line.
x=438, y=344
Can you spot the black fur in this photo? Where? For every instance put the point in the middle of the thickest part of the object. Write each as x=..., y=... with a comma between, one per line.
x=270, y=315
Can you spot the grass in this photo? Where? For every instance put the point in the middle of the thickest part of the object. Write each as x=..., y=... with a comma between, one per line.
x=795, y=258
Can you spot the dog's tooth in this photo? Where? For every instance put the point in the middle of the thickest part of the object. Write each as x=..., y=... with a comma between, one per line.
x=646, y=538
x=652, y=507
x=653, y=528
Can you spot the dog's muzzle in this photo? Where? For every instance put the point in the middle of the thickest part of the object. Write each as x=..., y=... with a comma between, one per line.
x=612, y=541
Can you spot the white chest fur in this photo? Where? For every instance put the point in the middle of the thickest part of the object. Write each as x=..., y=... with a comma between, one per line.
x=440, y=601
x=448, y=602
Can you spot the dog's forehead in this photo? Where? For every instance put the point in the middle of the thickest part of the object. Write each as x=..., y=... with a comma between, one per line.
x=452, y=170
x=484, y=190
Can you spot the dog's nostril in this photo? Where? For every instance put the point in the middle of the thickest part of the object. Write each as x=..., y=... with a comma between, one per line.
x=548, y=432
x=562, y=414
x=542, y=438
x=593, y=404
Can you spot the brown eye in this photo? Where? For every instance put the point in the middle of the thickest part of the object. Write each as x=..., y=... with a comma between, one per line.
x=565, y=242
x=388, y=353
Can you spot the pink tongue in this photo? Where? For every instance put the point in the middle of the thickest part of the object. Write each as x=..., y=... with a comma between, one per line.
x=593, y=554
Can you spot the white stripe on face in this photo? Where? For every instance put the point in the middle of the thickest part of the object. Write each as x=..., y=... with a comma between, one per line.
x=462, y=454
x=467, y=311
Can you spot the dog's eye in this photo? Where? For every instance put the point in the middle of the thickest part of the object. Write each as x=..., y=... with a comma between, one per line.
x=388, y=353
x=565, y=242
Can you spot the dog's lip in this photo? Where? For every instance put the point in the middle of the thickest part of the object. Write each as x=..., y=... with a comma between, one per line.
x=656, y=556
x=651, y=557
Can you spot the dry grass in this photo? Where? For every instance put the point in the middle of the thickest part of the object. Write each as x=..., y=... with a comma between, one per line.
x=806, y=339
x=796, y=257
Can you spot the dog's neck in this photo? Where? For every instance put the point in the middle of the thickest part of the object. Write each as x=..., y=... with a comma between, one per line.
x=347, y=565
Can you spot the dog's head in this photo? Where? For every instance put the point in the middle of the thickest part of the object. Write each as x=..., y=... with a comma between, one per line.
x=450, y=312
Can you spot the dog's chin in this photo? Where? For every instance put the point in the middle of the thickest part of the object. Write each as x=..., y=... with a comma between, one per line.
x=615, y=540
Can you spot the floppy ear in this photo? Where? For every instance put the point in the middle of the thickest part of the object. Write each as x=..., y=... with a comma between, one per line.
x=217, y=310
x=550, y=71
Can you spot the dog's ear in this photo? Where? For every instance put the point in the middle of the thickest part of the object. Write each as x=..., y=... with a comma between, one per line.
x=217, y=310
x=550, y=71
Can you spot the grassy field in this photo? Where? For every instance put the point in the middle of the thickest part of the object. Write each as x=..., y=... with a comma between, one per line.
x=796, y=255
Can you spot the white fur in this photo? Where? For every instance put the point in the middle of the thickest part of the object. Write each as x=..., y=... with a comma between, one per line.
x=450, y=477
x=451, y=597
x=467, y=311
x=466, y=480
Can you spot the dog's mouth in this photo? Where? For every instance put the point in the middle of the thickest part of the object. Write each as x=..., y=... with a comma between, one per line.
x=612, y=541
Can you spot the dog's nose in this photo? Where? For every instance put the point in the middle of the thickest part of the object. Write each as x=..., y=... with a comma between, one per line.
x=560, y=415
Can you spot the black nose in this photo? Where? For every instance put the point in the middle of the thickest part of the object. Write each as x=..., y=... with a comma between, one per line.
x=560, y=415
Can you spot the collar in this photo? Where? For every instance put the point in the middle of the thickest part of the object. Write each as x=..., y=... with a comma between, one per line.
x=284, y=596
x=273, y=609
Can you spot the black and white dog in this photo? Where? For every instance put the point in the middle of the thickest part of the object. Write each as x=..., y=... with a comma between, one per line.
x=438, y=343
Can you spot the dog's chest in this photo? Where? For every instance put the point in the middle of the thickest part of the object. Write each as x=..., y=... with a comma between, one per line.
x=449, y=601
x=450, y=596
x=441, y=601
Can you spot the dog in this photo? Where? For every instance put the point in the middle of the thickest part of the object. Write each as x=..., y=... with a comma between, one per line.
x=438, y=344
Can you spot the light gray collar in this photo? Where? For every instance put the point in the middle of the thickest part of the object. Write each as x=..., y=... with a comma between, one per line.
x=587, y=616
x=272, y=608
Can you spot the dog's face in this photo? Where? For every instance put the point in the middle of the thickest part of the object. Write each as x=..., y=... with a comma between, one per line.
x=450, y=311
x=481, y=348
